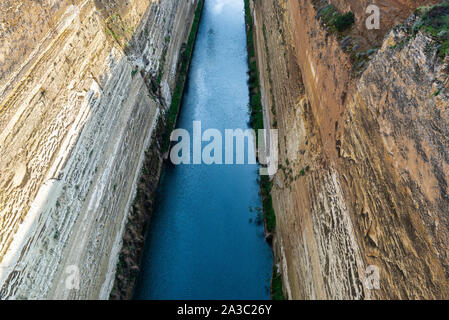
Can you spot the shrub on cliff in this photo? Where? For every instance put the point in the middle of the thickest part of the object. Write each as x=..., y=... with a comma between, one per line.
x=276, y=286
x=345, y=21
x=334, y=20
x=435, y=21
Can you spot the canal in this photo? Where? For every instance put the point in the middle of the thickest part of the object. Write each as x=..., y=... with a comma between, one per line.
x=206, y=239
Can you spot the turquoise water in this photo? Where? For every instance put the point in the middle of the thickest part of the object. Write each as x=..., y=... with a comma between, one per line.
x=203, y=241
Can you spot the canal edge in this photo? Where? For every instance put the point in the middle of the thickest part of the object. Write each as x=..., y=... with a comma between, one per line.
x=256, y=109
x=131, y=253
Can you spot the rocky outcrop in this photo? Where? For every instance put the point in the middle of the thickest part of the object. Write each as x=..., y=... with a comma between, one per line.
x=364, y=173
x=392, y=13
x=75, y=121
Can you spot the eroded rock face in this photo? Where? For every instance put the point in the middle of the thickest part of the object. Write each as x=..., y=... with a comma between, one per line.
x=22, y=37
x=364, y=155
x=393, y=12
x=75, y=123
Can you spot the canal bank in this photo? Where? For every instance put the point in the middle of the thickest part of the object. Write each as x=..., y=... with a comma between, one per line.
x=130, y=257
x=206, y=239
x=258, y=123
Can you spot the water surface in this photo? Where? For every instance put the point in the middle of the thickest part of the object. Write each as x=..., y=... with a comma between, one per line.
x=203, y=241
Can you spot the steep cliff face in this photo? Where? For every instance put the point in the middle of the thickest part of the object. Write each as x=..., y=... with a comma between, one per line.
x=22, y=38
x=363, y=177
x=75, y=121
x=393, y=12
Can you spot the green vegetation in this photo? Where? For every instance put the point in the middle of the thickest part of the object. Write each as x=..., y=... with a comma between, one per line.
x=327, y=13
x=340, y=25
x=133, y=72
x=345, y=21
x=334, y=20
x=436, y=93
x=256, y=118
x=435, y=21
x=276, y=286
x=161, y=66
x=162, y=62
x=303, y=171
x=116, y=27
x=255, y=102
x=112, y=33
x=120, y=264
x=401, y=44
x=269, y=214
x=114, y=24
x=180, y=81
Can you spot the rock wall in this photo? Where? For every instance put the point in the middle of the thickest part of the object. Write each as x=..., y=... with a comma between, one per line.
x=75, y=121
x=364, y=173
x=393, y=12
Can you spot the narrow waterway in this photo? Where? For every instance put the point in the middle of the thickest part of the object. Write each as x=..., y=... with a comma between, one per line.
x=204, y=240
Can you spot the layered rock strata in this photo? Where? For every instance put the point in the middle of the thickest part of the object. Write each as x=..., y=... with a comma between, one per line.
x=364, y=172
x=76, y=118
